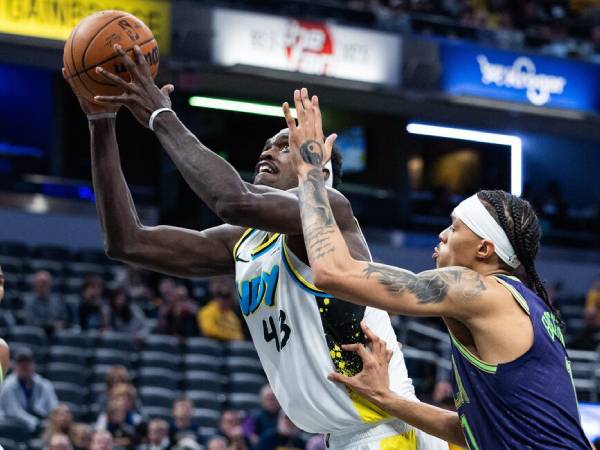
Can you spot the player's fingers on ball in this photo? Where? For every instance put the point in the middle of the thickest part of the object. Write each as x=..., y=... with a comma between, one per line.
x=129, y=63
x=289, y=120
x=114, y=79
x=112, y=99
x=139, y=56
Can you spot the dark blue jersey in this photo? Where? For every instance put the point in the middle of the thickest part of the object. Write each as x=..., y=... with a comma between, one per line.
x=529, y=403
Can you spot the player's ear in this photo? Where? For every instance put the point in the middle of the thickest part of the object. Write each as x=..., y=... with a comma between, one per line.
x=326, y=174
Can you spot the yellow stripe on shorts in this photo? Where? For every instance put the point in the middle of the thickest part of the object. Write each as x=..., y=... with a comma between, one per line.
x=404, y=441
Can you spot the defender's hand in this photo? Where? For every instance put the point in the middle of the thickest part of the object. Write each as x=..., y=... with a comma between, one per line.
x=308, y=147
x=373, y=381
x=87, y=106
x=142, y=96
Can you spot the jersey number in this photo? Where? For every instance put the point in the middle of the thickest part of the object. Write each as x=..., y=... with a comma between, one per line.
x=272, y=333
x=468, y=433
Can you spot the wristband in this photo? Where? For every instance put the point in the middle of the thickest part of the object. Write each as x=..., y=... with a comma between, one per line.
x=156, y=113
x=98, y=116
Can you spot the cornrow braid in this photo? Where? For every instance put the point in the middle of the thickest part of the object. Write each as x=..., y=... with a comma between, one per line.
x=520, y=223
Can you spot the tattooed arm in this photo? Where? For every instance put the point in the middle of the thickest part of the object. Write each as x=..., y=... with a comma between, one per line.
x=442, y=292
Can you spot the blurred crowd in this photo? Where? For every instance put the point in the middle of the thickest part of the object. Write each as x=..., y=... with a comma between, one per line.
x=564, y=28
x=132, y=306
x=123, y=425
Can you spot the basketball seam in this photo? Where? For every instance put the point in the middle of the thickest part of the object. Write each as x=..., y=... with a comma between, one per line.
x=104, y=83
x=91, y=39
x=107, y=60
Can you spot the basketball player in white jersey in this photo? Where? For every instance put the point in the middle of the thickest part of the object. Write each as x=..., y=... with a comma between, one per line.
x=297, y=329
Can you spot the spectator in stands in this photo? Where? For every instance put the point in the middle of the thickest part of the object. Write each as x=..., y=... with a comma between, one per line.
x=188, y=443
x=592, y=305
x=59, y=422
x=177, y=316
x=217, y=443
x=124, y=435
x=59, y=441
x=43, y=308
x=230, y=427
x=93, y=309
x=157, y=437
x=217, y=319
x=285, y=435
x=116, y=375
x=25, y=394
x=81, y=436
x=102, y=440
x=264, y=418
x=182, y=423
x=126, y=316
x=125, y=394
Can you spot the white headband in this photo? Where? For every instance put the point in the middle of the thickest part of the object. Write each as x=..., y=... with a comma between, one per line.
x=474, y=215
x=329, y=181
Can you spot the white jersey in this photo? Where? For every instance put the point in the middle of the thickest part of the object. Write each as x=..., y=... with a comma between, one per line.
x=298, y=331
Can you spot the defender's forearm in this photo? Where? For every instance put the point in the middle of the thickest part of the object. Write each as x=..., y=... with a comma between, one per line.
x=116, y=210
x=436, y=421
x=212, y=178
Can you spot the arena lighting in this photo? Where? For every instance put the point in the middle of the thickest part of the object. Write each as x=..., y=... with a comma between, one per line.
x=223, y=104
x=516, y=148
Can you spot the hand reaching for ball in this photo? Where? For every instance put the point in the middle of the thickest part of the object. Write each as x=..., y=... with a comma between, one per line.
x=142, y=96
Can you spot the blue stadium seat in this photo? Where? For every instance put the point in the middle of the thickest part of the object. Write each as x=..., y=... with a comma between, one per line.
x=203, y=346
x=203, y=380
x=246, y=383
x=158, y=377
x=161, y=343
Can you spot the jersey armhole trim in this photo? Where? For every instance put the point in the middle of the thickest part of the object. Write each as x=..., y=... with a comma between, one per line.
x=515, y=294
x=245, y=236
x=296, y=276
x=481, y=365
x=264, y=247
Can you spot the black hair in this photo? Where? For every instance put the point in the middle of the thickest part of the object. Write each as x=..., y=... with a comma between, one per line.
x=336, y=166
x=520, y=223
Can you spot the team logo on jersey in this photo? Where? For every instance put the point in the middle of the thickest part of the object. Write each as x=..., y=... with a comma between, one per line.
x=258, y=290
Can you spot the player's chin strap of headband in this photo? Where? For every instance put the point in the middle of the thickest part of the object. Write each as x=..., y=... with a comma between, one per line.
x=474, y=215
x=329, y=180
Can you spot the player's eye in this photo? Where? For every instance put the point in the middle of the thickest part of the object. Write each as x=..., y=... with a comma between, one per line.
x=285, y=149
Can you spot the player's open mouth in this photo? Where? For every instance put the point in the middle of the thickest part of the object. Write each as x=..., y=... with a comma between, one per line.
x=266, y=167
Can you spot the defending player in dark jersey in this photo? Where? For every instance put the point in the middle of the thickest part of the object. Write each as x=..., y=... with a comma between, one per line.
x=512, y=386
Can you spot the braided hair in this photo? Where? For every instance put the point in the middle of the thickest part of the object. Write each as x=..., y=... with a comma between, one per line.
x=520, y=223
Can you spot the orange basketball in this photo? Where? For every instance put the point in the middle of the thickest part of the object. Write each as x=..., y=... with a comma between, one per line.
x=91, y=44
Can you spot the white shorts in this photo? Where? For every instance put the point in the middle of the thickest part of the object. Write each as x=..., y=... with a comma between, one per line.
x=392, y=435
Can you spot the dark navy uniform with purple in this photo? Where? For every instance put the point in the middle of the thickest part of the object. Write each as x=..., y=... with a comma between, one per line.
x=529, y=403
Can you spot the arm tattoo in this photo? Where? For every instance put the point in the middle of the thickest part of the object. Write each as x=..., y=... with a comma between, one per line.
x=431, y=286
x=312, y=153
x=317, y=219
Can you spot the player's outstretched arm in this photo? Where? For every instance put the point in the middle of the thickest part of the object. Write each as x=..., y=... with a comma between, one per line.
x=171, y=250
x=211, y=178
x=373, y=384
x=436, y=292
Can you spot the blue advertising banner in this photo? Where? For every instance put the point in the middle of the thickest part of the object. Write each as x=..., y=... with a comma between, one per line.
x=538, y=80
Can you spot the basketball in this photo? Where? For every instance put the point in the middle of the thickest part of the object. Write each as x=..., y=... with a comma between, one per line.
x=91, y=44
